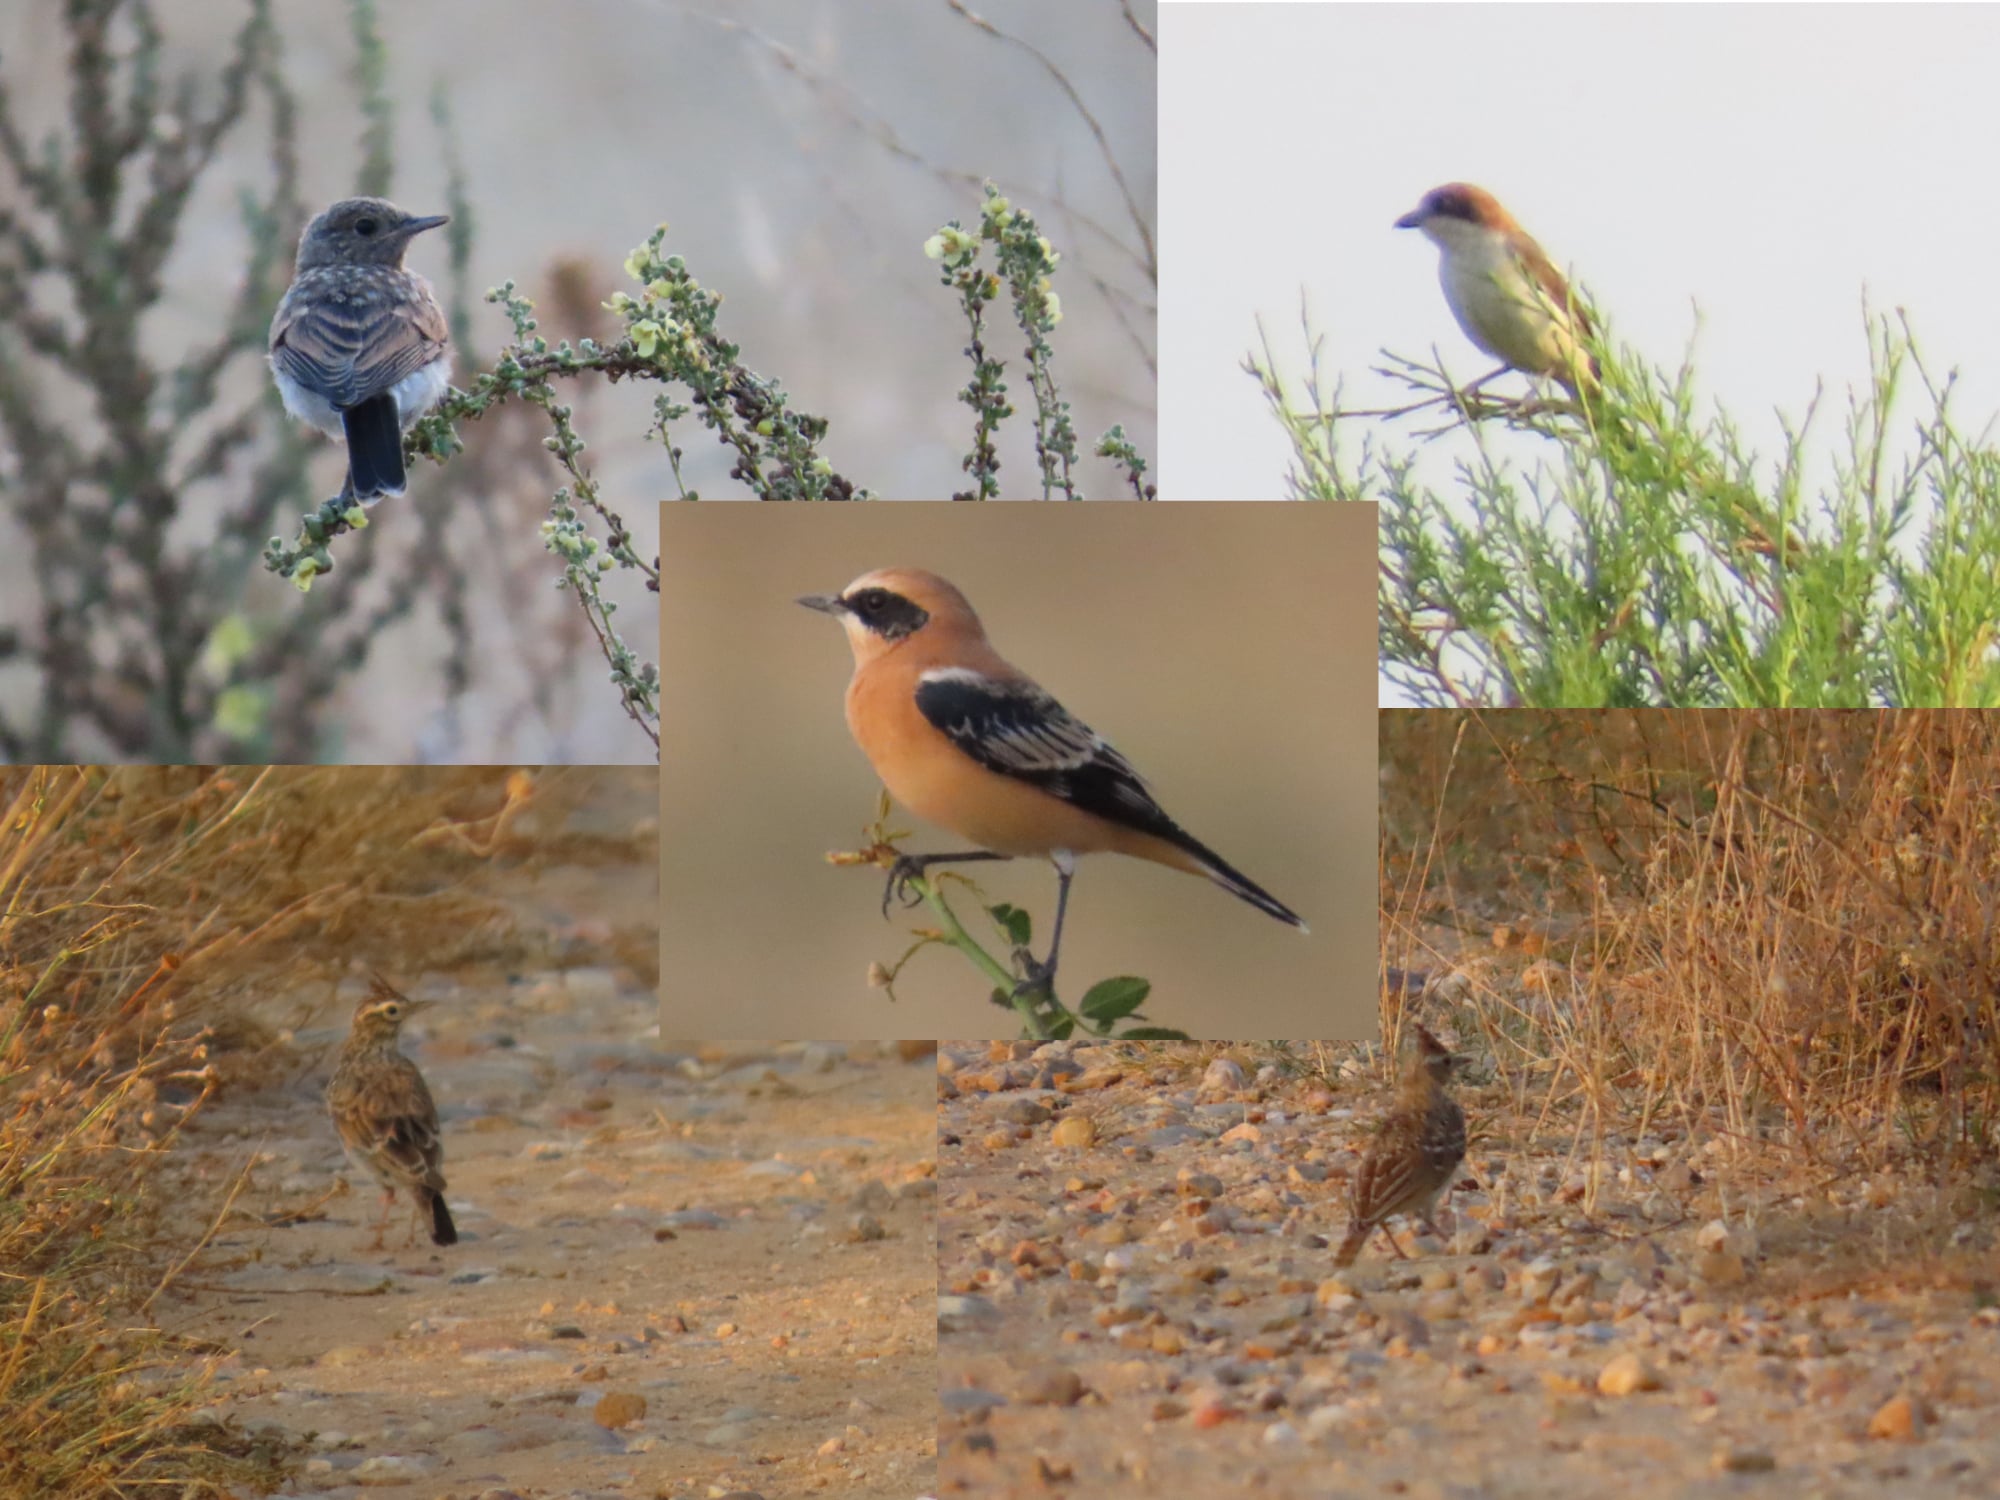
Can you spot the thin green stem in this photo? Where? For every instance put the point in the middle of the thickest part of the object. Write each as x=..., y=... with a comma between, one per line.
x=1003, y=978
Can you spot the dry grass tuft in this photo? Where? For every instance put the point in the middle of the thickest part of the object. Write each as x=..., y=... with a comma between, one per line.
x=95, y=1406
x=1776, y=930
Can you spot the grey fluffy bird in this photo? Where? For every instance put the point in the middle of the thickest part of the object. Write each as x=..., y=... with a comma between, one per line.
x=1415, y=1153
x=359, y=345
x=385, y=1115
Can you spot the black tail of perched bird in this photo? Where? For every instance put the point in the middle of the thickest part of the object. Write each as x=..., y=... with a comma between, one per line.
x=374, y=448
x=358, y=345
x=443, y=1231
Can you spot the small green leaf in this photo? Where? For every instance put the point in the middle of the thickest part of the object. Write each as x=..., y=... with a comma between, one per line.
x=1111, y=998
x=1061, y=1031
x=1154, y=1034
x=1017, y=924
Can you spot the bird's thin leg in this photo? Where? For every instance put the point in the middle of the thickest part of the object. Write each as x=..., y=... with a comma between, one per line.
x=909, y=866
x=1064, y=870
x=1384, y=1226
x=1464, y=398
x=382, y=1222
x=1041, y=976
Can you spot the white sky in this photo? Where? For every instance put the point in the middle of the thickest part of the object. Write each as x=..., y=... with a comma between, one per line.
x=1766, y=163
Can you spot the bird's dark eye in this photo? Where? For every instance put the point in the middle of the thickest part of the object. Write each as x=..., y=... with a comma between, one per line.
x=366, y=226
x=874, y=601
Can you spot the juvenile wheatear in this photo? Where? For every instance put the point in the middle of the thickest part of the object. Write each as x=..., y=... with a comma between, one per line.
x=1506, y=294
x=970, y=743
x=358, y=345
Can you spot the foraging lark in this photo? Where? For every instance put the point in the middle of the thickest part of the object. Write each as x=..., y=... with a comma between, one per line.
x=1413, y=1156
x=385, y=1115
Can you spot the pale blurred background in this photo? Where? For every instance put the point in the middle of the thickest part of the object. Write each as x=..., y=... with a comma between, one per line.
x=1225, y=649
x=801, y=155
x=1736, y=175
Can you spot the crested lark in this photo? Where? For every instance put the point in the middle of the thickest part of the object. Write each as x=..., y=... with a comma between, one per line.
x=385, y=1115
x=1415, y=1153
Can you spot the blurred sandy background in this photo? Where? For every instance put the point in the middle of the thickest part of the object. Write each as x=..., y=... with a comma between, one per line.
x=801, y=155
x=1226, y=649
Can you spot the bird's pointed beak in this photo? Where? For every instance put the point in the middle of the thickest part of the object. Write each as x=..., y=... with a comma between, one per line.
x=826, y=604
x=418, y=226
x=1414, y=219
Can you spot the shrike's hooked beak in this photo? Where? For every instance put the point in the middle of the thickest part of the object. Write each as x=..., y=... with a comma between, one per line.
x=1414, y=219
x=826, y=604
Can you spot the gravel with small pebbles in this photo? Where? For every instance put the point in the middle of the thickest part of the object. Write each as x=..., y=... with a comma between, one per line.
x=1148, y=1307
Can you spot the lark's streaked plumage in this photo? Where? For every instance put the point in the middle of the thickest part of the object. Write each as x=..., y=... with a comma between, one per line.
x=385, y=1115
x=1414, y=1155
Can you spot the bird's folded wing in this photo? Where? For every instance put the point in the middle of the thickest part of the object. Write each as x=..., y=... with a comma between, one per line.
x=1554, y=291
x=1444, y=1143
x=349, y=354
x=410, y=1141
x=1386, y=1182
x=1018, y=730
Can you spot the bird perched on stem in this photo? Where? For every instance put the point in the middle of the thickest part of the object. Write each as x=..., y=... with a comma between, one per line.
x=1503, y=290
x=358, y=345
x=1415, y=1153
x=1516, y=306
x=969, y=742
x=385, y=1116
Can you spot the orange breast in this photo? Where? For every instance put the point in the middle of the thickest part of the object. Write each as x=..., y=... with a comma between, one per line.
x=933, y=778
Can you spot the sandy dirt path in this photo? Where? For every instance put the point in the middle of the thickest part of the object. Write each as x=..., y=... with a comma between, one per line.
x=703, y=1243
x=727, y=1250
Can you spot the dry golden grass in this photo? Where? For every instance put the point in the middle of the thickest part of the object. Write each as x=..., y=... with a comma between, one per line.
x=138, y=908
x=94, y=1405
x=1773, y=928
